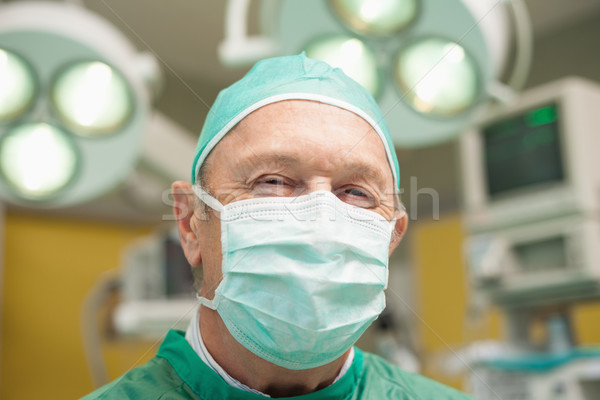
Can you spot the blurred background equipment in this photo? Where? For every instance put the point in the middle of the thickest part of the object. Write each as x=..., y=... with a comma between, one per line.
x=431, y=65
x=393, y=340
x=157, y=287
x=531, y=177
x=152, y=292
x=75, y=110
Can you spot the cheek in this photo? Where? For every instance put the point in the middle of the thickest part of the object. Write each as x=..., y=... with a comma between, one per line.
x=212, y=257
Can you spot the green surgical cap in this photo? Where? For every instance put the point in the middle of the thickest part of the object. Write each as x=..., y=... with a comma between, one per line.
x=290, y=78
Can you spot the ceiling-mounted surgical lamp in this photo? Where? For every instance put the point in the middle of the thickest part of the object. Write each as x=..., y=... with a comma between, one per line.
x=75, y=99
x=431, y=64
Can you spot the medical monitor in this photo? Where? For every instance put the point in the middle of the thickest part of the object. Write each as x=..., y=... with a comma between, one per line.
x=531, y=192
x=523, y=151
x=534, y=159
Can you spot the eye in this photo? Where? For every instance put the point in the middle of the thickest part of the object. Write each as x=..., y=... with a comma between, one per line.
x=357, y=197
x=355, y=192
x=273, y=186
x=274, y=181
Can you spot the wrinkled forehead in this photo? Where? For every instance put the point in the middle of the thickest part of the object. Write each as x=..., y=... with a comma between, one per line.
x=304, y=135
x=306, y=108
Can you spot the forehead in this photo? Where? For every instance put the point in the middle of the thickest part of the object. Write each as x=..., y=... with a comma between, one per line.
x=327, y=136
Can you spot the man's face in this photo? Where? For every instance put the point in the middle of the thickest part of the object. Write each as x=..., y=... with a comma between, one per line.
x=291, y=148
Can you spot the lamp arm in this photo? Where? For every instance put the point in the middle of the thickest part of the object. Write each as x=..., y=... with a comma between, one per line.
x=524, y=44
x=78, y=3
x=503, y=92
x=236, y=18
x=237, y=48
x=91, y=331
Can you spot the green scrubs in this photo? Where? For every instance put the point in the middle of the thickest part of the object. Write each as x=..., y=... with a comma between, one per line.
x=178, y=373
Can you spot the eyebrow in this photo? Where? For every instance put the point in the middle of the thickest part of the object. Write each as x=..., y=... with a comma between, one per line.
x=358, y=171
x=261, y=160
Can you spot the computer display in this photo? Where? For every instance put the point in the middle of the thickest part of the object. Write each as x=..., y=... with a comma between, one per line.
x=523, y=151
x=531, y=196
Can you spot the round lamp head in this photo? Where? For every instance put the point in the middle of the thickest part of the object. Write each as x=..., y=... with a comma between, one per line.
x=437, y=77
x=376, y=18
x=92, y=98
x=17, y=86
x=350, y=54
x=37, y=160
x=94, y=107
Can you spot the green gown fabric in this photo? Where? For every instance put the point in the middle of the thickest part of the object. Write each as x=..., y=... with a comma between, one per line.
x=178, y=373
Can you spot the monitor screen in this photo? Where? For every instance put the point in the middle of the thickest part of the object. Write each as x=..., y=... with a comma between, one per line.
x=178, y=272
x=523, y=151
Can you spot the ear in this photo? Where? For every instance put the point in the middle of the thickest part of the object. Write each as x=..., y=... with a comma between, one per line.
x=399, y=231
x=183, y=208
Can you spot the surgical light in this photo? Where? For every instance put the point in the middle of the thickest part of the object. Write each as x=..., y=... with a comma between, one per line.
x=437, y=76
x=377, y=18
x=38, y=160
x=92, y=98
x=438, y=63
x=350, y=54
x=93, y=84
x=17, y=86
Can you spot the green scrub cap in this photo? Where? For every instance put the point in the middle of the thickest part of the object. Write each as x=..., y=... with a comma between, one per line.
x=290, y=78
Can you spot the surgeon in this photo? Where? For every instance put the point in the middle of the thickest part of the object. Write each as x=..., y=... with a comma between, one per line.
x=292, y=213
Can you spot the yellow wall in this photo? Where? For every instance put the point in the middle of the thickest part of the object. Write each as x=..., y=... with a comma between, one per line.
x=442, y=292
x=50, y=264
x=442, y=296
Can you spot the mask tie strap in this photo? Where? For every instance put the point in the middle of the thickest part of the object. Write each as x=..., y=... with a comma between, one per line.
x=207, y=198
x=212, y=304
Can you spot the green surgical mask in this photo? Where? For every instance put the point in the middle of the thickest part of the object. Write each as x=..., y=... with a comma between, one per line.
x=303, y=277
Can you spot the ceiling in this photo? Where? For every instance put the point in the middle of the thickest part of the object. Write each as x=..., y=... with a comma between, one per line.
x=185, y=34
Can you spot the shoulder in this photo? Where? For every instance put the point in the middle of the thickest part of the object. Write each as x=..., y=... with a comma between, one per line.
x=380, y=376
x=152, y=381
